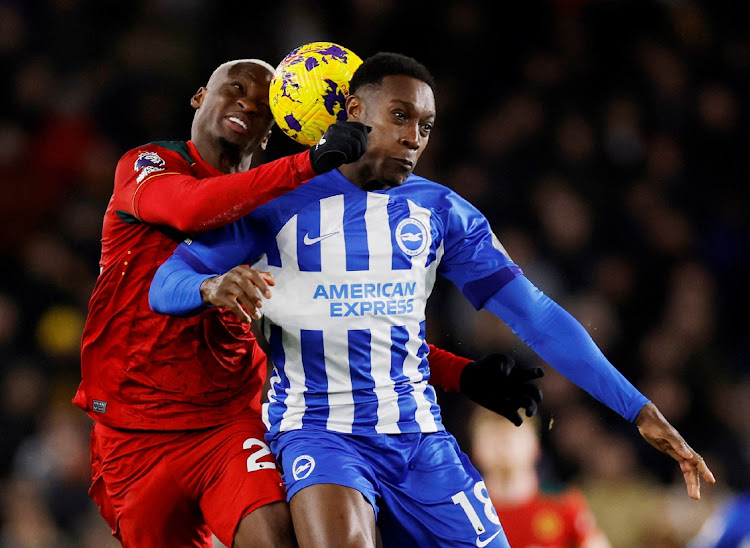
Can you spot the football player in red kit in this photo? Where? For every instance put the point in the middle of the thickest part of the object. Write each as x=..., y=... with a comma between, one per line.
x=177, y=445
x=508, y=458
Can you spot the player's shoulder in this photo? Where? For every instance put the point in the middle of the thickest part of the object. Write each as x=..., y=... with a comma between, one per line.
x=140, y=162
x=157, y=154
x=319, y=187
x=427, y=192
x=275, y=213
x=437, y=197
x=414, y=182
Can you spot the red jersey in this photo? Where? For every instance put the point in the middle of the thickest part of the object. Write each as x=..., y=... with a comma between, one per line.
x=142, y=370
x=548, y=521
x=147, y=371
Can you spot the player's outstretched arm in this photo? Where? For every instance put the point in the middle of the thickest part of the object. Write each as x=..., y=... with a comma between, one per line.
x=562, y=342
x=193, y=205
x=656, y=430
x=172, y=198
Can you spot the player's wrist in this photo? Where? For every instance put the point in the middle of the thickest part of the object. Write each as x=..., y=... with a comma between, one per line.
x=467, y=380
x=649, y=412
x=207, y=288
x=303, y=168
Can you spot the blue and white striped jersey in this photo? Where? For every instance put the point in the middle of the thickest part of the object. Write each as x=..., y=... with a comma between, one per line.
x=354, y=270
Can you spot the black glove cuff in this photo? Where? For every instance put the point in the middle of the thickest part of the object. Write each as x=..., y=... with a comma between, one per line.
x=326, y=160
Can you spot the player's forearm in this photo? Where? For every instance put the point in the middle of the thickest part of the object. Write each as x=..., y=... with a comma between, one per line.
x=175, y=289
x=562, y=342
x=446, y=369
x=196, y=205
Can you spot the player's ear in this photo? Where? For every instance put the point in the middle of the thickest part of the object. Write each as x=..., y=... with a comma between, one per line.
x=353, y=107
x=264, y=144
x=197, y=100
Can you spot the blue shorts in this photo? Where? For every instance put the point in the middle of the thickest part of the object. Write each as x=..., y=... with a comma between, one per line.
x=424, y=489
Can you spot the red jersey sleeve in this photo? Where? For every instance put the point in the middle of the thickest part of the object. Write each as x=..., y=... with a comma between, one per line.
x=446, y=369
x=172, y=189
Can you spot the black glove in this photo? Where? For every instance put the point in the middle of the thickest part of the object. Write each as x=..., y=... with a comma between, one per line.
x=342, y=143
x=494, y=382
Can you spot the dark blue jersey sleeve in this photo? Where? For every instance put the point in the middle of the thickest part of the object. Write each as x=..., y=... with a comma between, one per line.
x=175, y=289
x=562, y=342
x=220, y=250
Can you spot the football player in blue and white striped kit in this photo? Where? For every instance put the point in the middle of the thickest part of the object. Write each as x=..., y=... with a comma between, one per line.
x=352, y=420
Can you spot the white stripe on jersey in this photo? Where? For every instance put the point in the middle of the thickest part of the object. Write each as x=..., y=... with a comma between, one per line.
x=378, y=234
x=295, y=394
x=388, y=411
x=332, y=222
x=340, y=398
x=423, y=415
x=288, y=234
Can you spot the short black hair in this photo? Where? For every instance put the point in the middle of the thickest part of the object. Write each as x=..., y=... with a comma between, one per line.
x=376, y=67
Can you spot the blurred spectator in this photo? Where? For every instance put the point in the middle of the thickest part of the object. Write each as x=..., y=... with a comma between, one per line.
x=56, y=462
x=509, y=459
x=626, y=501
x=28, y=522
x=23, y=392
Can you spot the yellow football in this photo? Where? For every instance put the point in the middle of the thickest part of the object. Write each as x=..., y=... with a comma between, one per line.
x=309, y=89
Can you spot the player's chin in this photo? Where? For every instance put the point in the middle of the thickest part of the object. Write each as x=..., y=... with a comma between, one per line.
x=397, y=176
x=390, y=182
x=233, y=139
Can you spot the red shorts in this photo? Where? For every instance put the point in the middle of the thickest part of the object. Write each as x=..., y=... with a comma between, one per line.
x=176, y=488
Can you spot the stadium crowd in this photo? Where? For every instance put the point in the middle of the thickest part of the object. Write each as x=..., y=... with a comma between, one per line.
x=603, y=139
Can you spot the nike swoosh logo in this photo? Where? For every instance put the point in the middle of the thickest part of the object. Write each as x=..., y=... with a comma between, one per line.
x=482, y=543
x=310, y=241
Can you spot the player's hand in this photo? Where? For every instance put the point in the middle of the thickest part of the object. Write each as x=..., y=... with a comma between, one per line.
x=495, y=382
x=342, y=143
x=658, y=432
x=239, y=290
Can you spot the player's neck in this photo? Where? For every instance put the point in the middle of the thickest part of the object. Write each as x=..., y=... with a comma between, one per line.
x=224, y=156
x=363, y=176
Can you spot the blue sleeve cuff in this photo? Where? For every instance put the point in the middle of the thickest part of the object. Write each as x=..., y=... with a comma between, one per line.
x=635, y=407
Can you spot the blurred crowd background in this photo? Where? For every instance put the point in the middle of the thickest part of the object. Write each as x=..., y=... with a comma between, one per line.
x=606, y=141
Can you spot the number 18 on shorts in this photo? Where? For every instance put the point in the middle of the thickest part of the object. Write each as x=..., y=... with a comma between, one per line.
x=423, y=488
